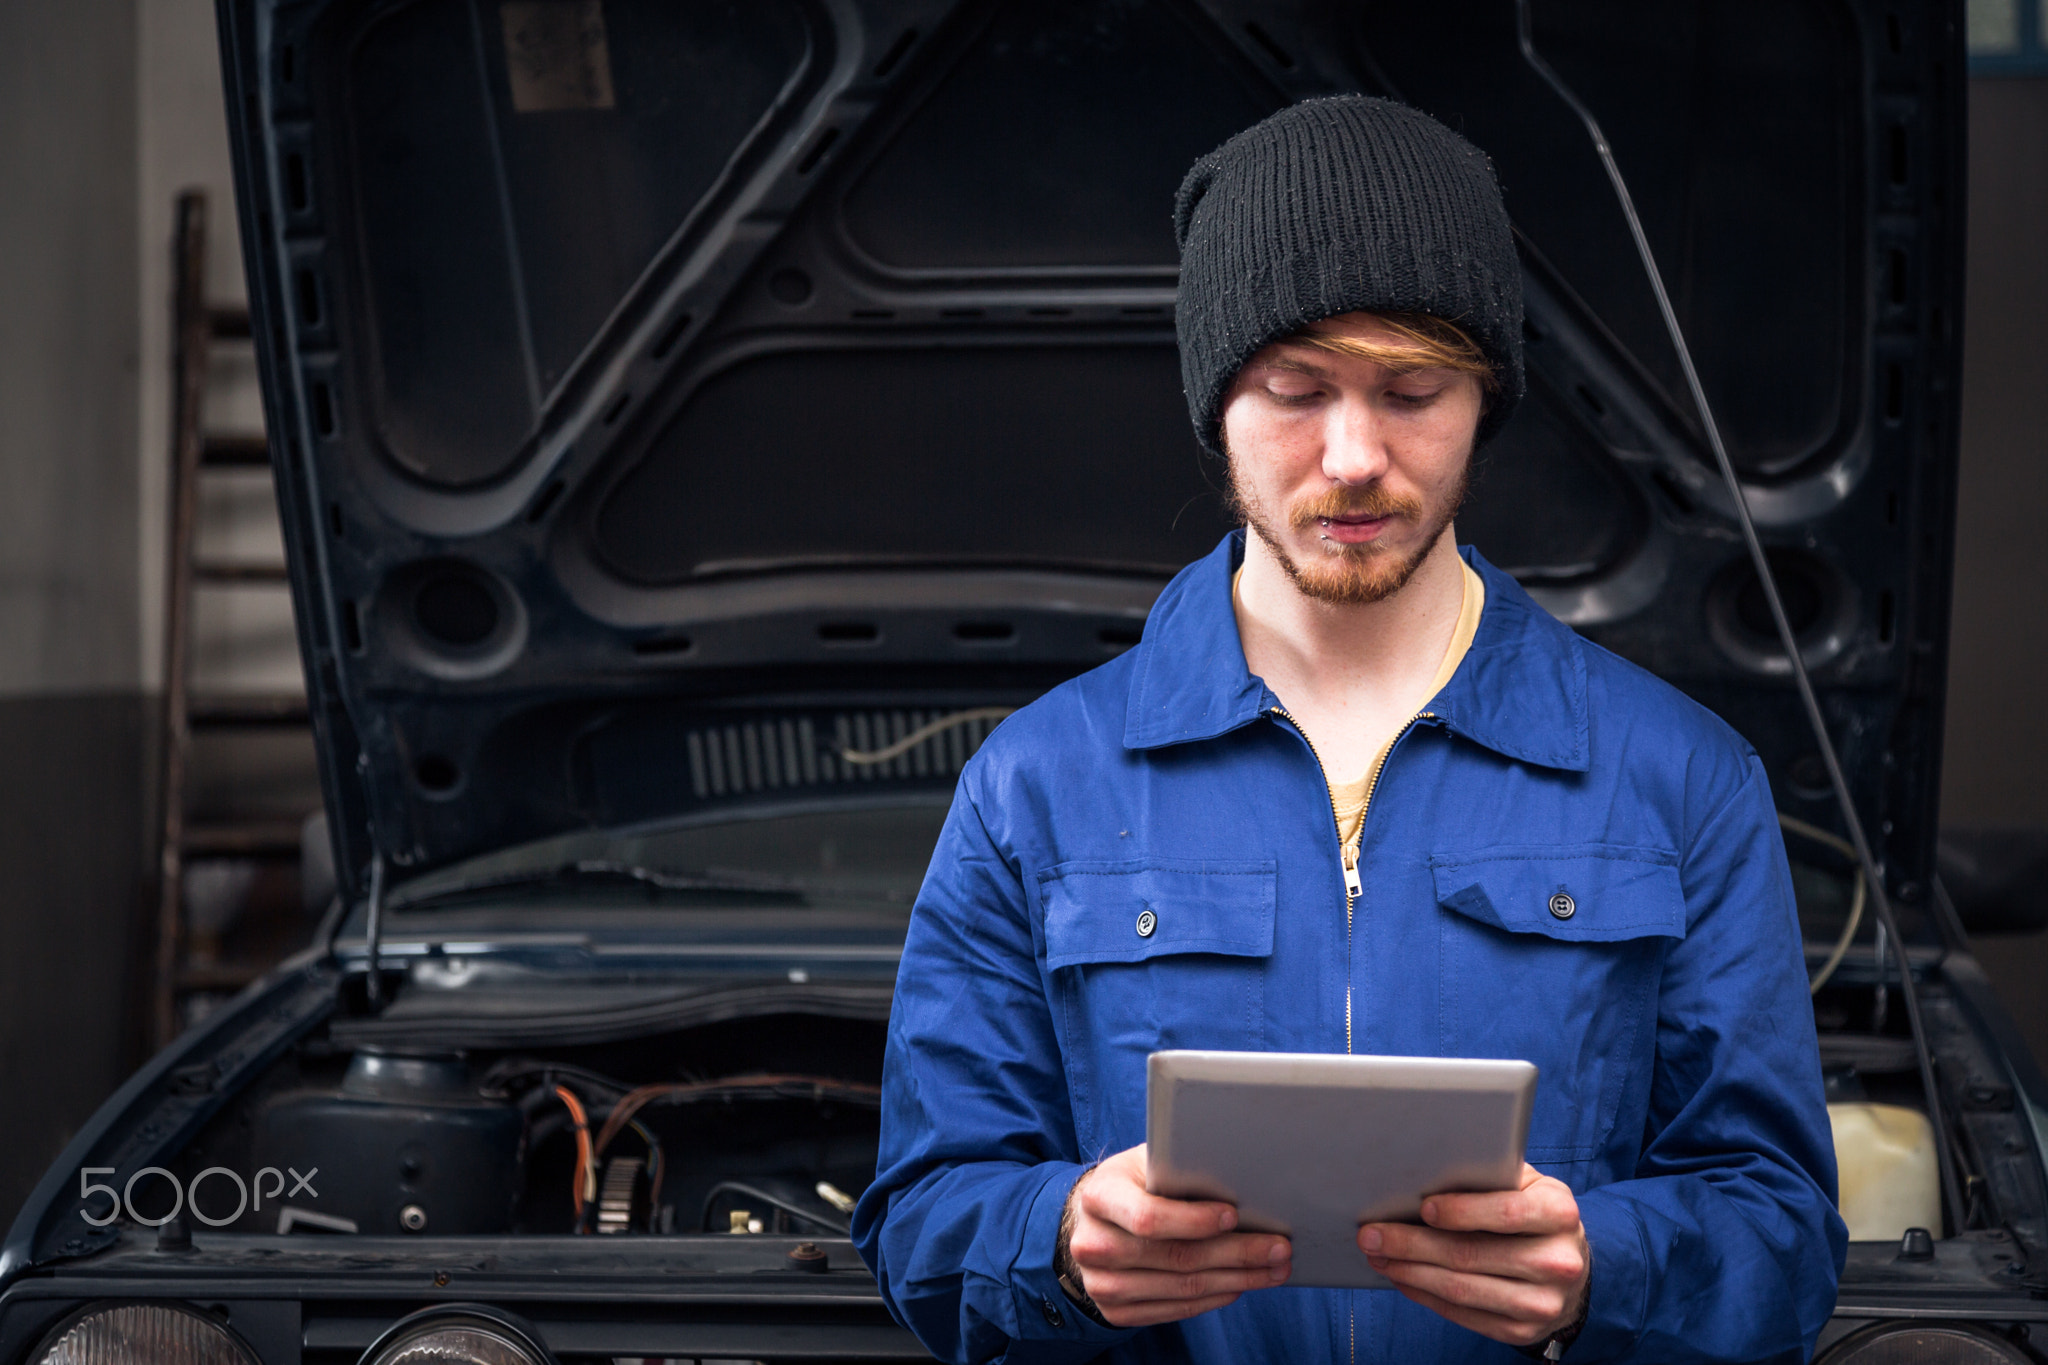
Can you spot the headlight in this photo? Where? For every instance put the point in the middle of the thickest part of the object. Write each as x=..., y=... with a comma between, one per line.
x=1933, y=1343
x=466, y=1335
x=144, y=1334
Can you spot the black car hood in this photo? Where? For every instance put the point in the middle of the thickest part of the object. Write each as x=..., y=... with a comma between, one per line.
x=624, y=357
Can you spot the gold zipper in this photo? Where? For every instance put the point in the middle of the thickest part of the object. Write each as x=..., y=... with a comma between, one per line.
x=1372, y=783
x=1351, y=883
x=1347, y=857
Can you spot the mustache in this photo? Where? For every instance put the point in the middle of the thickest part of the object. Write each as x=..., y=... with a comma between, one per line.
x=1372, y=500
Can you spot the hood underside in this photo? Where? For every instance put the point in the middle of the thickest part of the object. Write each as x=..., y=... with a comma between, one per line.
x=627, y=360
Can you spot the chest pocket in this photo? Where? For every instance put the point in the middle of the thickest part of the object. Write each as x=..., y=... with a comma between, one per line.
x=1149, y=955
x=1553, y=956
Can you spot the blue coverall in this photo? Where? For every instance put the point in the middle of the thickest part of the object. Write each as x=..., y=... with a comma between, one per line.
x=1680, y=1095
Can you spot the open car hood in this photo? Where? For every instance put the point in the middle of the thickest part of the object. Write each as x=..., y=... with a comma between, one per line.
x=625, y=355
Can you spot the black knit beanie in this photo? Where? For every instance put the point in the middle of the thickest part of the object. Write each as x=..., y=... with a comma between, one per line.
x=1346, y=204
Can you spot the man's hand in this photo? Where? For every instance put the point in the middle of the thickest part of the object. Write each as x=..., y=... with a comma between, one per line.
x=1146, y=1259
x=1511, y=1265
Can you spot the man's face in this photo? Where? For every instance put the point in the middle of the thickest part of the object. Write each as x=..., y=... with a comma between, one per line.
x=1348, y=469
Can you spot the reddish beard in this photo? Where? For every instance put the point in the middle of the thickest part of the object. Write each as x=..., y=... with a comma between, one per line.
x=1351, y=575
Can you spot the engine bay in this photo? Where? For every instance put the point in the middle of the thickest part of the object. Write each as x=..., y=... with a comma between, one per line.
x=486, y=1101
x=755, y=1125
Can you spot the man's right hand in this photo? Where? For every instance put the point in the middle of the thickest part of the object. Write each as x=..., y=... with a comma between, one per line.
x=1145, y=1259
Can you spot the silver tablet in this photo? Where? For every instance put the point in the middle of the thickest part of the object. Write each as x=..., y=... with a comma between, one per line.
x=1314, y=1145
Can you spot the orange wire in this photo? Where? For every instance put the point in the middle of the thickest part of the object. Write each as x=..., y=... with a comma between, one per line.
x=583, y=1189
x=622, y=1112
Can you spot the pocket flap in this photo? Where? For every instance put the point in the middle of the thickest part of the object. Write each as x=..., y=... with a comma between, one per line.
x=1588, y=893
x=1127, y=912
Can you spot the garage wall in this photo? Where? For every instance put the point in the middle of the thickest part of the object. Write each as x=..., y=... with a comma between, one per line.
x=243, y=637
x=1996, y=770
x=72, y=750
x=108, y=108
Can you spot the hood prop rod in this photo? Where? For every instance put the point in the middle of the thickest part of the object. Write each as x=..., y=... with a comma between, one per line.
x=374, y=931
x=1887, y=922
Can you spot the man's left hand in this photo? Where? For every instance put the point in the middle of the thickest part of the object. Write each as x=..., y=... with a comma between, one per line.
x=1511, y=1265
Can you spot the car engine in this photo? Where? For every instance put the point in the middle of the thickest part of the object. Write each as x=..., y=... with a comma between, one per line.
x=754, y=1125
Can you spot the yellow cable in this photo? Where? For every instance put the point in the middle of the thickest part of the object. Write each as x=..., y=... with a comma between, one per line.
x=1856, y=899
x=923, y=733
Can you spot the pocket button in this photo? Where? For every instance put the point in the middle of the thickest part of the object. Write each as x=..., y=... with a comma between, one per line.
x=1563, y=906
x=1147, y=922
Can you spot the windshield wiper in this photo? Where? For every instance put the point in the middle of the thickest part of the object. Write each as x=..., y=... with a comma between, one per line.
x=587, y=871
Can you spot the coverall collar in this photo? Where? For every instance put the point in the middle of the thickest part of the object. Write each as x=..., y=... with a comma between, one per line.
x=1521, y=690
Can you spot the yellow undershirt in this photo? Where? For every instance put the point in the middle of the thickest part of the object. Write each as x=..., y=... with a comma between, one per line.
x=1350, y=796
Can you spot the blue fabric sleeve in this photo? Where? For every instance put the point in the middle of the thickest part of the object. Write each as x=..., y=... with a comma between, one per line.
x=977, y=1149
x=1735, y=1188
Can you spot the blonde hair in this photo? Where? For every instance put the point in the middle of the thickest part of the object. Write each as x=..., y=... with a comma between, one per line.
x=1427, y=342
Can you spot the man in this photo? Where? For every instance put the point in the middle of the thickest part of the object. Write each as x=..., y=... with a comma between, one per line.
x=1356, y=793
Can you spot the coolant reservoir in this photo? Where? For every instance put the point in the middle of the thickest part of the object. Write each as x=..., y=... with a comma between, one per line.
x=1885, y=1155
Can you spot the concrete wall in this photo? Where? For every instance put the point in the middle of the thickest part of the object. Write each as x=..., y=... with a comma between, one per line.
x=243, y=637
x=108, y=109
x=1996, y=770
x=243, y=640
x=68, y=498
x=72, y=751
